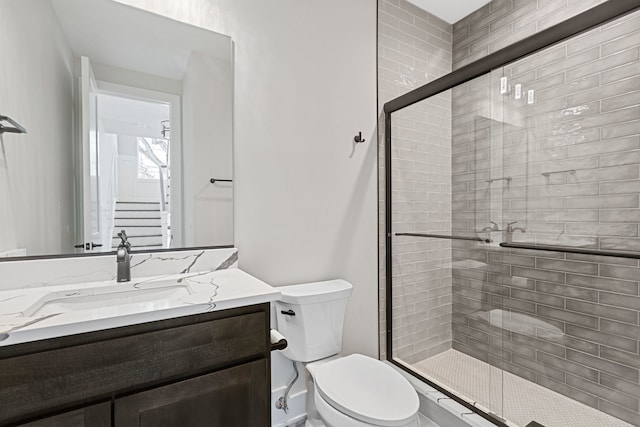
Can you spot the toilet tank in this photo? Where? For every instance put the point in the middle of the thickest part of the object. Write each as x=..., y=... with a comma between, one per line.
x=311, y=317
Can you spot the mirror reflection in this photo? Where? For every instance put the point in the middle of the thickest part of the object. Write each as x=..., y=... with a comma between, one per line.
x=128, y=119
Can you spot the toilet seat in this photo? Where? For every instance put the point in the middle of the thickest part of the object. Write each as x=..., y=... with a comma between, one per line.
x=368, y=390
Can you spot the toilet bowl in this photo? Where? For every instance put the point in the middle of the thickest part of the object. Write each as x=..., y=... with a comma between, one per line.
x=354, y=390
x=357, y=390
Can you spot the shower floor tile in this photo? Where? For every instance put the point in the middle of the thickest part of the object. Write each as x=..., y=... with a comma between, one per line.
x=514, y=398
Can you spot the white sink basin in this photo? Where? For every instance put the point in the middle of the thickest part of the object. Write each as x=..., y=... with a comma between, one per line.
x=111, y=300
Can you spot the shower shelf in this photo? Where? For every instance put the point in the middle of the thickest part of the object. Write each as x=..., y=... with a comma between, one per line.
x=442, y=236
x=572, y=250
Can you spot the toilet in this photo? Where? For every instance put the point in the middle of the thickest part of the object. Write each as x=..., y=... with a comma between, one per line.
x=354, y=390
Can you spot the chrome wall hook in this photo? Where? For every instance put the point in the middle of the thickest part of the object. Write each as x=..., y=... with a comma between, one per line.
x=358, y=138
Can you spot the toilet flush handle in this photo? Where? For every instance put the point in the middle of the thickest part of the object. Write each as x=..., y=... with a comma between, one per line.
x=288, y=312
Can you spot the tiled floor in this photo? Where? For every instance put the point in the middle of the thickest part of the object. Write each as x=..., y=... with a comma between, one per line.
x=512, y=397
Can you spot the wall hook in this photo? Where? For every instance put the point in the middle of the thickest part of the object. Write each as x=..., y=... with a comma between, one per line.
x=358, y=138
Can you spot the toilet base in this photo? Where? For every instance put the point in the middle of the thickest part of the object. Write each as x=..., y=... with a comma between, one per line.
x=314, y=423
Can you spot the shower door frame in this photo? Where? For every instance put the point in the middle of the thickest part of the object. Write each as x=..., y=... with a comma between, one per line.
x=587, y=20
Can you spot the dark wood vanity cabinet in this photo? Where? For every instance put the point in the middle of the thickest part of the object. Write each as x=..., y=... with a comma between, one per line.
x=223, y=398
x=210, y=369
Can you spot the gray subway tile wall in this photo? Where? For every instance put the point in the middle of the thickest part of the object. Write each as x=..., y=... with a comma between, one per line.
x=501, y=23
x=585, y=119
x=584, y=128
x=414, y=47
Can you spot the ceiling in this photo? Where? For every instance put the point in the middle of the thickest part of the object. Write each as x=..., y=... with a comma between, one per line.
x=121, y=36
x=125, y=116
x=450, y=11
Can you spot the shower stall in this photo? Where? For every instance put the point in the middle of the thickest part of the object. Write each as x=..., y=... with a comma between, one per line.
x=510, y=209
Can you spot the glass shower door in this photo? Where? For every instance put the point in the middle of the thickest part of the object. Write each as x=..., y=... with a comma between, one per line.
x=514, y=274
x=574, y=190
x=444, y=295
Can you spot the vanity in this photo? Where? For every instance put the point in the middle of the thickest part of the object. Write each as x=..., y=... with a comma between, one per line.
x=186, y=349
x=140, y=144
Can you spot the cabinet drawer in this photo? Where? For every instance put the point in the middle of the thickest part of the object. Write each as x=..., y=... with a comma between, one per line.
x=46, y=381
x=91, y=416
x=237, y=396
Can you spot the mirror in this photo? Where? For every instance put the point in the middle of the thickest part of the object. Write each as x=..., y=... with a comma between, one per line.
x=129, y=126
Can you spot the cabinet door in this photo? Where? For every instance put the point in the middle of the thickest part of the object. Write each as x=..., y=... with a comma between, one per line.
x=91, y=416
x=237, y=396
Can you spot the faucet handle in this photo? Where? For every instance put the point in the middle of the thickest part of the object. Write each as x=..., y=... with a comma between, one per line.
x=511, y=228
x=125, y=243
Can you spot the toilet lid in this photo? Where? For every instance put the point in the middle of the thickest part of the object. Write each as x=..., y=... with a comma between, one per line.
x=368, y=390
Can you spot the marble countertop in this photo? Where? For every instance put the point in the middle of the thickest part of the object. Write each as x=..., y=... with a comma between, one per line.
x=46, y=312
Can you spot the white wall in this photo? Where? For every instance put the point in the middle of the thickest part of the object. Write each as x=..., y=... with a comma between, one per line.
x=305, y=85
x=130, y=188
x=108, y=159
x=207, y=107
x=305, y=210
x=127, y=167
x=37, y=91
x=107, y=73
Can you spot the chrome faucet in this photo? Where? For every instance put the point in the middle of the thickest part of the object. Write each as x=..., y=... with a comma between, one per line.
x=508, y=235
x=123, y=259
x=494, y=227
